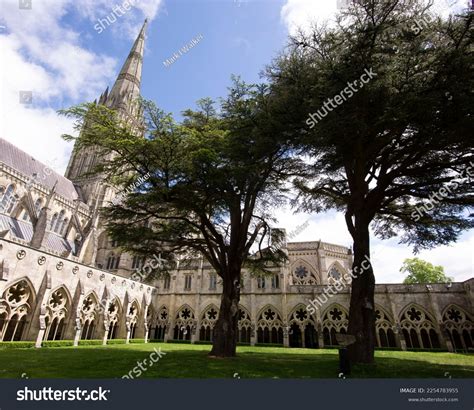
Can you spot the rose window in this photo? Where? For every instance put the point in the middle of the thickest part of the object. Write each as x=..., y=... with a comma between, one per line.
x=454, y=315
x=336, y=314
x=414, y=314
x=269, y=314
x=301, y=272
x=212, y=314
x=301, y=314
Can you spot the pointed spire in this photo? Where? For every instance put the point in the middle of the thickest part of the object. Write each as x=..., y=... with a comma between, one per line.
x=127, y=85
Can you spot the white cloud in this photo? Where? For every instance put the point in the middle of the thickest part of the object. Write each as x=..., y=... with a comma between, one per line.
x=43, y=54
x=301, y=13
x=387, y=256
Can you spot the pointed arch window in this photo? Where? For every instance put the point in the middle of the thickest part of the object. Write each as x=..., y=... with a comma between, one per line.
x=9, y=199
x=59, y=221
x=113, y=261
x=62, y=231
x=54, y=219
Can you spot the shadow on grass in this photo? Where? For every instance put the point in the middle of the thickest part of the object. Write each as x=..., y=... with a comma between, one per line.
x=186, y=362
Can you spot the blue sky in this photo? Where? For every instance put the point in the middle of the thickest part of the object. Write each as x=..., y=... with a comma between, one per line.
x=239, y=37
x=53, y=51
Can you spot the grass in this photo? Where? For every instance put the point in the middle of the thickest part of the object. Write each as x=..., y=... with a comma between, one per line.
x=191, y=361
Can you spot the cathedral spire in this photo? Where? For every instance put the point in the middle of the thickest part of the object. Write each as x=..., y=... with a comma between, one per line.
x=127, y=86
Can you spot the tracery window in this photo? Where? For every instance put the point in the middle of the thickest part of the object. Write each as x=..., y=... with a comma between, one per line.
x=303, y=275
x=161, y=323
x=269, y=326
x=459, y=327
x=113, y=315
x=302, y=329
x=384, y=328
x=208, y=321
x=57, y=312
x=335, y=320
x=184, y=323
x=15, y=306
x=132, y=318
x=418, y=328
x=88, y=316
x=244, y=325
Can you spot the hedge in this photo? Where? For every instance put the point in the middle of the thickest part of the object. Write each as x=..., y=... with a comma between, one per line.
x=16, y=345
x=57, y=343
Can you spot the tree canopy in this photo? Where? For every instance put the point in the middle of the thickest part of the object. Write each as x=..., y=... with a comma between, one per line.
x=383, y=114
x=420, y=271
x=211, y=184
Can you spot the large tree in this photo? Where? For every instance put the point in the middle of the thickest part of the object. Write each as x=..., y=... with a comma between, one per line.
x=206, y=186
x=395, y=152
x=420, y=271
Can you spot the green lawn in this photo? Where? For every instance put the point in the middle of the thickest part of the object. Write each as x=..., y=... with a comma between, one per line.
x=191, y=361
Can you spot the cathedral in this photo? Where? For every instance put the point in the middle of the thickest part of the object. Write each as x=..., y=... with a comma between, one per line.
x=62, y=278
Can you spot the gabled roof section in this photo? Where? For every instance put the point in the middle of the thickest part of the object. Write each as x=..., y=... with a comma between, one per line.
x=25, y=164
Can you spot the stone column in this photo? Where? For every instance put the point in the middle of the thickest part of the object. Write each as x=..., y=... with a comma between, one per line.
x=42, y=330
x=78, y=329
x=106, y=332
x=127, y=338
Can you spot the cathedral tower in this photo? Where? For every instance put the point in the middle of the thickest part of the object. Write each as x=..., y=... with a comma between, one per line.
x=122, y=97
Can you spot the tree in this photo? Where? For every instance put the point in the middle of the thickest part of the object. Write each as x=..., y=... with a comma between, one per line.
x=420, y=271
x=383, y=112
x=211, y=184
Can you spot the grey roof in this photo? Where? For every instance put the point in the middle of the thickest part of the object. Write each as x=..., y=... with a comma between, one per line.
x=24, y=230
x=28, y=166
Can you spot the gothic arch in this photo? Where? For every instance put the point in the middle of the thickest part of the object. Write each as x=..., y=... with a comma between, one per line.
x=185, y=323
x=160, y=323
x=132, y=317
x=244, y=325
x=269, y=325
x=207, y=322
x=418, y=327
x=89, y=312
x=57, y=313
x=302, y=329
x=335, y=320
x=384, y=328
x=459, y=326
x=336, y=273
x=302, y=273
x=114, y=314
x=16, y=307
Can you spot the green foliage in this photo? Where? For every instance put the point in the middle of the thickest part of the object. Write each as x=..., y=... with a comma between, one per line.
x=116, y=341
x=420, y=271
x=389, y=147
x=16, y=345
x=251, y=362
x=90, y=342
x=57, y=343
x=210, y=182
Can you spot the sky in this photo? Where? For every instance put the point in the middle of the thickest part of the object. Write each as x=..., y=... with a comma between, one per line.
x=55, y=53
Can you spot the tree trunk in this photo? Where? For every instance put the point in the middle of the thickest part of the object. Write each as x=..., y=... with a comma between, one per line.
x=226, y=331
x=362, y=312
